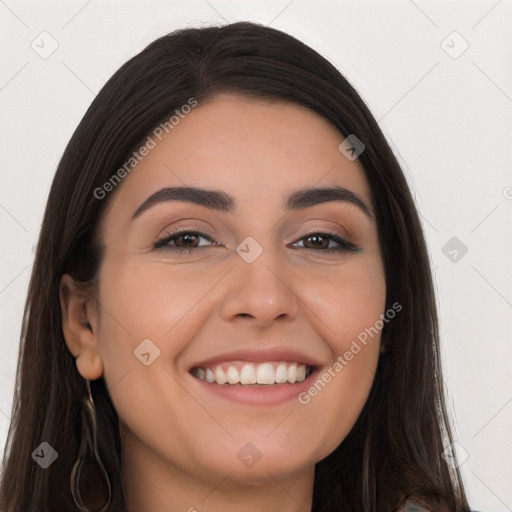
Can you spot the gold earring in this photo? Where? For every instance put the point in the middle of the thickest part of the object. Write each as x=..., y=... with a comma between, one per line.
x=88, y=457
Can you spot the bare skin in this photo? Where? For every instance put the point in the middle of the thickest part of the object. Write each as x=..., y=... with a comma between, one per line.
x=181, y=441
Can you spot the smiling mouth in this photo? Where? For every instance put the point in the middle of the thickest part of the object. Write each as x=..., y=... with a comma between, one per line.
x=245, y=373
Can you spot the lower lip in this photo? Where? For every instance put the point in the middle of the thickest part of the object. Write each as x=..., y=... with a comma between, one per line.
x=253, y=394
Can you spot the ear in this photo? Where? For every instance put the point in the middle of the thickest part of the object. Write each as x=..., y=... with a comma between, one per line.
x=80, y=328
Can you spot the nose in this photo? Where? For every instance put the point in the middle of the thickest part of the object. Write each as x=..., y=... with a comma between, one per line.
x=261, y=291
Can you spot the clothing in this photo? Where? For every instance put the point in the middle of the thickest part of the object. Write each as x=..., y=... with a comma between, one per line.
x=413, y=506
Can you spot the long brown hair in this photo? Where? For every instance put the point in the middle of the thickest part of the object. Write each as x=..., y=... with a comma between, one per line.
x=395, y=448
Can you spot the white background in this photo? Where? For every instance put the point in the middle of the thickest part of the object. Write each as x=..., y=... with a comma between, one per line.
x=449, y=121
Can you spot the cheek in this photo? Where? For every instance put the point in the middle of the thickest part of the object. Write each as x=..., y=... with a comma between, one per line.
x=147, y=302
x=348, y=301
x=150, y=301
x=349, y=305
x=148, y=317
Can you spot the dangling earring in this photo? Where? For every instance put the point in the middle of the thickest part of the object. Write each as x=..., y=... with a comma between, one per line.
x=88, y=457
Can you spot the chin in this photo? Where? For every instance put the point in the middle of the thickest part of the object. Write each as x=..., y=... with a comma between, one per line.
x=263, y=468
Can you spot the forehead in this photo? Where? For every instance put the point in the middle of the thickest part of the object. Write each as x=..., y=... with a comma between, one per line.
x=258, y=151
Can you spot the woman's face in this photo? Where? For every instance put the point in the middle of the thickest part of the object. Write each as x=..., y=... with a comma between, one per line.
x=262, y=285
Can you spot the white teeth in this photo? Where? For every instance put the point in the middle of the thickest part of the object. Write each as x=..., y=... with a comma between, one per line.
x=265, y=374
x=292, y=373
x=233, y=376
x=301, y=373
x=220, y=376
x=248, y=374
x=281, y=374
x=252, y=373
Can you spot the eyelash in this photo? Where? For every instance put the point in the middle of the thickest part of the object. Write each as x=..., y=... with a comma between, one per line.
x=344, y=245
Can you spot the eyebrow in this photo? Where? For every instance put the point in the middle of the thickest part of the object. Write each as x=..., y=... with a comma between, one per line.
x=221, y=201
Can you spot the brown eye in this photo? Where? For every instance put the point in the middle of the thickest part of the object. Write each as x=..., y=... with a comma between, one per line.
x=182, y=241
x=188, y=240
x=321, y=241
x=317, y=242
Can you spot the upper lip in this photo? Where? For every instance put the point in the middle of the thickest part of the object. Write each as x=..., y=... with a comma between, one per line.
x=259, y=356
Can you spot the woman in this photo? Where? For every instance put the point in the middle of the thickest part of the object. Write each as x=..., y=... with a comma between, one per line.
x=231, y=305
